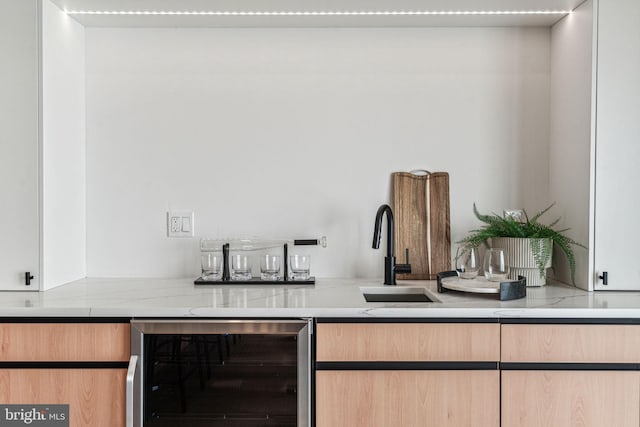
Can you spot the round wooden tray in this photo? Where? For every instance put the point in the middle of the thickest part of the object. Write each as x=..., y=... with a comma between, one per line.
x=479, y=285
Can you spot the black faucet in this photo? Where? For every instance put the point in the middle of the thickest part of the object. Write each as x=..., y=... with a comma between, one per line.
x=390, y=266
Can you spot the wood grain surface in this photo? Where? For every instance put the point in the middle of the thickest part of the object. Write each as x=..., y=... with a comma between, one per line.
x=407, y=398
x=571, y=343
x=420, y=206
x=365, y=342
x=570, y=399
x=89, y=342
x=96, y=397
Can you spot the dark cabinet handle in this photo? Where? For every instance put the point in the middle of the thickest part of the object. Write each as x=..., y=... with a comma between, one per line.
x=604, y=277
x=28, y=277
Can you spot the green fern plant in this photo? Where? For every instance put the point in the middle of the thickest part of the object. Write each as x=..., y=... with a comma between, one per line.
x=506, y=226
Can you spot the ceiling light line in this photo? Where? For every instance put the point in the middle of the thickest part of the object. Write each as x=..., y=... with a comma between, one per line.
x=319, y=13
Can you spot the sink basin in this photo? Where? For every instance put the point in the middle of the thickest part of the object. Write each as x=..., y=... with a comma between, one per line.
x=397, y=294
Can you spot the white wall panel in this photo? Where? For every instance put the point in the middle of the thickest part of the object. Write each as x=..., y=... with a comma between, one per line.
x=19, y=128
x=618, y=144
x=295, y=132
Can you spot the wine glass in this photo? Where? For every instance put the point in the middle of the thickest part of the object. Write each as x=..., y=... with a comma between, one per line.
x=467, y=262
x=495, y=265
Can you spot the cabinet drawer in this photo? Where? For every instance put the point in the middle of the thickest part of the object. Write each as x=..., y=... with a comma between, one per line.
x=343, y=342
x=408, y=398
x=64, y=342
x=570, y=398
x=571, y=343
x=96, y=397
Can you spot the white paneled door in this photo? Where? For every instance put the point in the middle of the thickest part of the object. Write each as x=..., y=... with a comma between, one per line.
x=617, y=195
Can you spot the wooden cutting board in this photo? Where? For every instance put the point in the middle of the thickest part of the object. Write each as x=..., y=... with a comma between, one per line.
x=420, y=204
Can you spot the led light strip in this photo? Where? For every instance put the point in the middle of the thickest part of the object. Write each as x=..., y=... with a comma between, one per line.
x=320, y=13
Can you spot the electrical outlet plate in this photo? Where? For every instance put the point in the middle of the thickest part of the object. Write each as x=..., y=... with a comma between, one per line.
x=180, y=224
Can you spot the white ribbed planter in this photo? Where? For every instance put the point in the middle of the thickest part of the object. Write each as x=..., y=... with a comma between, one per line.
x=520, y=258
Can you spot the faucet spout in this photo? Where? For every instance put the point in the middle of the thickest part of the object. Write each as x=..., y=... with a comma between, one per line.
x=377, y=231
x=390, y=266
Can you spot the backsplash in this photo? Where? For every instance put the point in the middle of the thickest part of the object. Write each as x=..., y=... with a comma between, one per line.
x=294, y=133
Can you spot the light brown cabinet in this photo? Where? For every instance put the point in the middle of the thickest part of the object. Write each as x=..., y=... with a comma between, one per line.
x=556, y=343
x=393, y=398
x=96, y=397
x=570, y=398
x=408, y=342
x=79, y=364
x=407, y=374
x=64, y=342
x=414, y=374
x=570, y=375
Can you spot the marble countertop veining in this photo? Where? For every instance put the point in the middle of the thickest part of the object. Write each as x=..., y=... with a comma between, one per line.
x=327, y=298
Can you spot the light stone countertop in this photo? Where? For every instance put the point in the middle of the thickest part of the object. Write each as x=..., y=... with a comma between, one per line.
x=327, y=298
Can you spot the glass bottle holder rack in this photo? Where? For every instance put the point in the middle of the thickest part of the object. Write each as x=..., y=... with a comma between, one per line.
x=226, y=271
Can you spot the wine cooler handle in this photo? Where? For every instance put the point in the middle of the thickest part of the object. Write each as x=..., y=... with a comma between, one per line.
x=131, y=373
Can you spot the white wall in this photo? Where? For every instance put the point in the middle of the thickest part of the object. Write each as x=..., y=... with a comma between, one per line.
x=570, y=135
x=63, y=123
x=295, y=132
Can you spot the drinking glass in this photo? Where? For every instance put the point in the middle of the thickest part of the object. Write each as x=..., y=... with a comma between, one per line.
x=270, y=267
x=467, y=262
x=211, y=266
x=299, y=265
x=240, y=267
x=495, y=265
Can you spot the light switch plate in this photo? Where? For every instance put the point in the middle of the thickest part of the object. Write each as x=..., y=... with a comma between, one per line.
x=180, y=224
